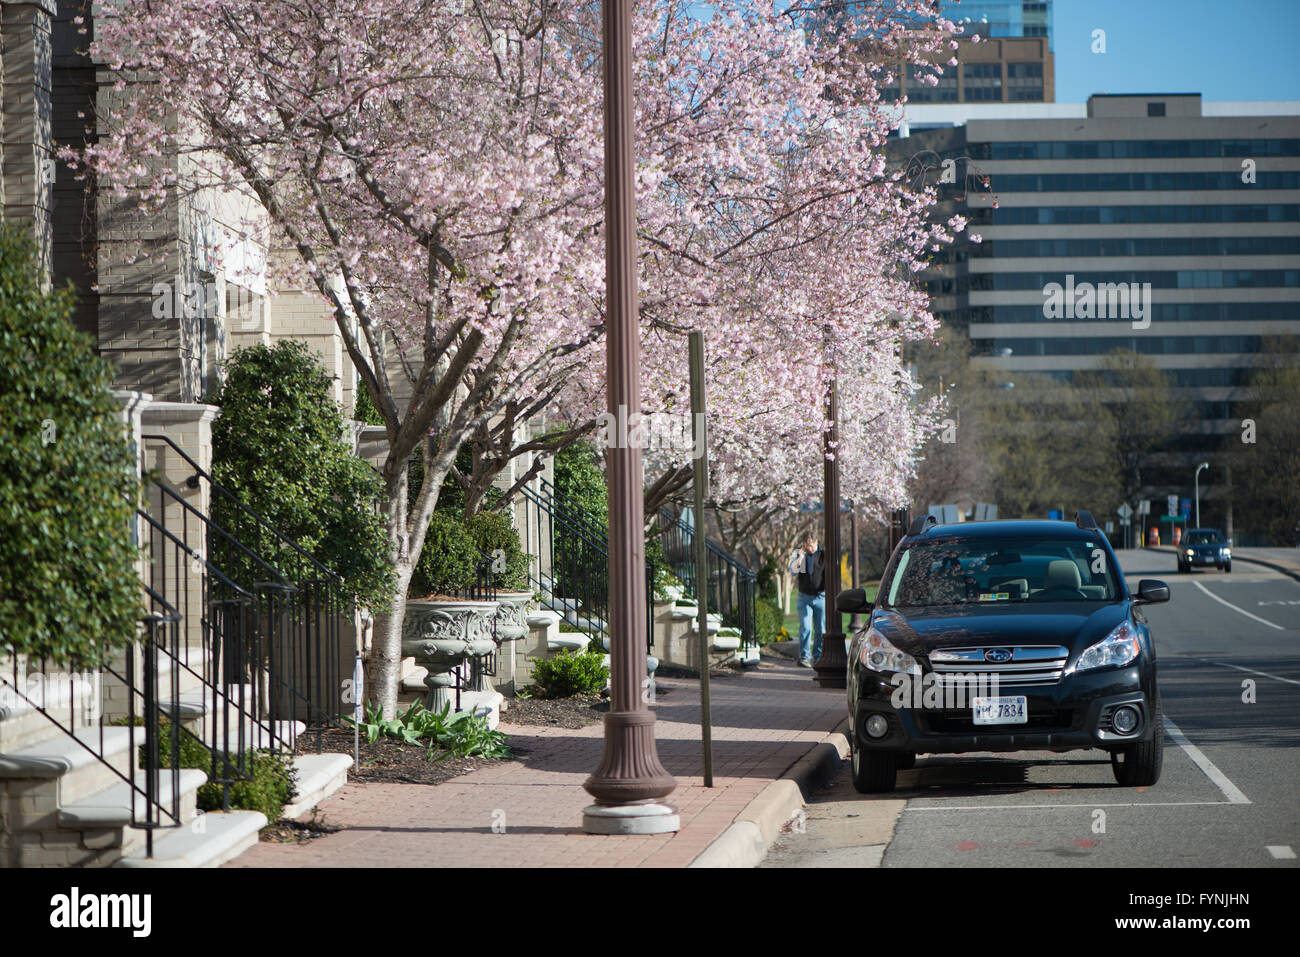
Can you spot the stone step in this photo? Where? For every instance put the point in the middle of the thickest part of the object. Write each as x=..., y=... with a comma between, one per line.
x=111, y=807
x=22, y=724
x=319, y=776
x=222, y=837
x=63, y=769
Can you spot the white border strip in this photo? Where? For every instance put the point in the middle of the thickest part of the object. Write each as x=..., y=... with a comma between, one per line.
x=1235, y=608
x=1230, y=790
x=1262, y=674
x=1053, y=807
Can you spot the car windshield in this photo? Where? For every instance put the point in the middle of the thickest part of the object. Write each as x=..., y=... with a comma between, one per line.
x=1001, y=570
x=1203, y=538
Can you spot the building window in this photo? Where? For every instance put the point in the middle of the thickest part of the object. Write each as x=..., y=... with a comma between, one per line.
x=1025, y=82
x=1155, y=109
x=920, y=91
x=983, y=81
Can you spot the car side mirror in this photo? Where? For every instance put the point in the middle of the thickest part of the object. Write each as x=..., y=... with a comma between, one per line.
x=851, y=601
x=1151, y=590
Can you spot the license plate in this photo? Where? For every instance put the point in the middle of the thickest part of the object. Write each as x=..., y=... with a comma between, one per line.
x=1010, y=710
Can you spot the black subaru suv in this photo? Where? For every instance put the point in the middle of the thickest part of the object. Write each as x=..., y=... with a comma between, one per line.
x=1003, y=636
x=1204, y=546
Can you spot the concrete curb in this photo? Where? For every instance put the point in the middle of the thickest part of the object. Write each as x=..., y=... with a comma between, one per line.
x=745, y=842
x=1289, y=570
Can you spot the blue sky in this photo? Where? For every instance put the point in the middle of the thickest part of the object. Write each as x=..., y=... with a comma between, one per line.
x=1223, y=49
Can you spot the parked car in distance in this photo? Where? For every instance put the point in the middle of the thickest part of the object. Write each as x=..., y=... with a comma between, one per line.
x=1035, y=619
x=1204, y=546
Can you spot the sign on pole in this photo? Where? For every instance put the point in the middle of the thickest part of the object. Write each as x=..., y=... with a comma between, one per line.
x=1171, y=504
x=1125, y=511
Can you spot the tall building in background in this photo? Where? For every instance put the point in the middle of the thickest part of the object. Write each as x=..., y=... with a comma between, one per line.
x=1004, y=56
x=1200, y=201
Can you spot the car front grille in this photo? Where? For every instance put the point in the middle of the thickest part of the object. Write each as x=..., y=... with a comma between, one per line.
x=1029, y=665
x=962, y=723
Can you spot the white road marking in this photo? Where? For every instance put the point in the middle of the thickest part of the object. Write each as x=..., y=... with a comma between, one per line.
x=1282, y=852
x=1235, y=608
x=1249, y=671
x=1230, y=790
x=1053, y=807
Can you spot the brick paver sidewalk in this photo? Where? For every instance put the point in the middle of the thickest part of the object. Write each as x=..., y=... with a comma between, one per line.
x=763, y=722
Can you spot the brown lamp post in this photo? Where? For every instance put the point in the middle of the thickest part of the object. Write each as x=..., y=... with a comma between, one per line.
x=630, y=777
x=832, y=667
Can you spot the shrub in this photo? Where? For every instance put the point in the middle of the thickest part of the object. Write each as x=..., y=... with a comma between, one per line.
x=569, y=674
x=495, y=536
x=268, y=787
x=463, y=734
x=449, y=559
x=69, y=591
x=278, y=446
x=768, y=621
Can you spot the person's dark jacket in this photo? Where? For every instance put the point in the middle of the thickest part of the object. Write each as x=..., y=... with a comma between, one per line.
x=815, y=583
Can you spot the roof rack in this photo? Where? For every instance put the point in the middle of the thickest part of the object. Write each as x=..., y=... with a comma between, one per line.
x=921, y=523
x=1083, y=518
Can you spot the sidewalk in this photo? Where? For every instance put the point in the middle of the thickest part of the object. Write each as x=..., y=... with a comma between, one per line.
x=763, y=722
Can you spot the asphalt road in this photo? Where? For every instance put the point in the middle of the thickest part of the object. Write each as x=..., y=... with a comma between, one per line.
x=1229, y=795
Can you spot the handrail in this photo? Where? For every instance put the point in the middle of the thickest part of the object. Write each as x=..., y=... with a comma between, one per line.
x=256, y=517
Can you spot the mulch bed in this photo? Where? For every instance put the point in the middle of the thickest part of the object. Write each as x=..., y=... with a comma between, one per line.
x=693, y=674
x=576, y=712
x=389, y=761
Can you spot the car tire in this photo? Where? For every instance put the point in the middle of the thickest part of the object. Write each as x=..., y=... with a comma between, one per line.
x=1139, y=765
x=1227, y=567
x=1182, y=569
x=874, y=772
x=906, y=760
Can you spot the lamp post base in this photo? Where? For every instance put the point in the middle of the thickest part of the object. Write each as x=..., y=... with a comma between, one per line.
x=832, y=668
x=630, y=819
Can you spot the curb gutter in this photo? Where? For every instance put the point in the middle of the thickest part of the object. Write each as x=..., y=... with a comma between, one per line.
x=745, y=842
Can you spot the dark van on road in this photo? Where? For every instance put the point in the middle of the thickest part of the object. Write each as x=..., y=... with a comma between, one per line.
x=1003, y=636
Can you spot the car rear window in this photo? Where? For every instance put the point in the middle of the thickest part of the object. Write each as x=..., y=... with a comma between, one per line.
x=1002, y=570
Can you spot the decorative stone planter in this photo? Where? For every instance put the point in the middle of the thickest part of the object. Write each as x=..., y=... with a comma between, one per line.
x=512, y=615
x=442, y=636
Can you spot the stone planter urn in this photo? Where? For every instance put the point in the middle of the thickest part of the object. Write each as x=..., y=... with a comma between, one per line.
x=512, y=615
x=442, y=636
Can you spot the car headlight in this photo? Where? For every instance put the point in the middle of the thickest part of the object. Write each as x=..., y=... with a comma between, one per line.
x=879, y=655
x=1118, y=648
x=1190, y=553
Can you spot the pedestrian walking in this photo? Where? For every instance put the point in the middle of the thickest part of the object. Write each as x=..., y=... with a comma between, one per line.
x=808, y=565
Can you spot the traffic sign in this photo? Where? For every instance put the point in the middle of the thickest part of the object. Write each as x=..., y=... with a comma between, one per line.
x=1144, y=507
x=1125, y=511
x=1171, y=504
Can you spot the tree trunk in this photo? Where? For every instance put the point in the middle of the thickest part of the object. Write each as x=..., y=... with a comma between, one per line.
x=384, y=669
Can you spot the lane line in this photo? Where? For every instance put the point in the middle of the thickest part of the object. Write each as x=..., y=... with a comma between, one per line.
x=1053, y=807
x=1249, y=671
x=1282, y=852
x=1235, y=608
x=1230, y=790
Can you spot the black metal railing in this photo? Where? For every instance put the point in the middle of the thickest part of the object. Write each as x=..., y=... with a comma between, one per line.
x=301, y=602
x=732, y=591
x=571, y=563
x=142, y=682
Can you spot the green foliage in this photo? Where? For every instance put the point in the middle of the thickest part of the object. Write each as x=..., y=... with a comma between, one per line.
x=268, y=788
x=568, y=674
x=580, y=483
x=768, y=621
x=1265, y=453
x=463, y=734
x=497, y=538
x=448, y=560
x=663, y=574
x=767, y=579
x=277, y=446
x=69, y=591
x=363, y=410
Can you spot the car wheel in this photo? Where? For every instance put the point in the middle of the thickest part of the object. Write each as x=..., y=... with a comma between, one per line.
x=1227, y=566
x=1182, y=569
x=874, y=772
x=1139, y=765
x=906, y=760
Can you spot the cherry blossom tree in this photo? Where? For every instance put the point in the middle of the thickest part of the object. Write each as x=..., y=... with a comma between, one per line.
x=433, y=171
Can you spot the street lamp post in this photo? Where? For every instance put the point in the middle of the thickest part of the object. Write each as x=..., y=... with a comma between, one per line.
x=1196, y=482
x=832, y=667
x=630, y=778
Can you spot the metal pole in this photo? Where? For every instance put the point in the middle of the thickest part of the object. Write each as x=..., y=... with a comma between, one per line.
x=831, y=668
x=630, y=776
x=701, y=544
x=855, y=622
x=1196, y=482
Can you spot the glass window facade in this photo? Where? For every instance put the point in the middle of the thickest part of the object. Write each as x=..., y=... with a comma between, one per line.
x=1160, y=312
x=1130, y=246
x=1159, y=279
x=1133, y=149
x=1121, y=182
x=1082, y=215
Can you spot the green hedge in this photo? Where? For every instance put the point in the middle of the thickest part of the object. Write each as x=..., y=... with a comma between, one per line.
x=69, y=591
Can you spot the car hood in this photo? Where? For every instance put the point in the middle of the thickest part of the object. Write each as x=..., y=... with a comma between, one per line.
x=1075, y=625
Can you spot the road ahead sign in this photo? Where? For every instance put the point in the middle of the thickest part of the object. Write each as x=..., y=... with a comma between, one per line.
x=1125, y=511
